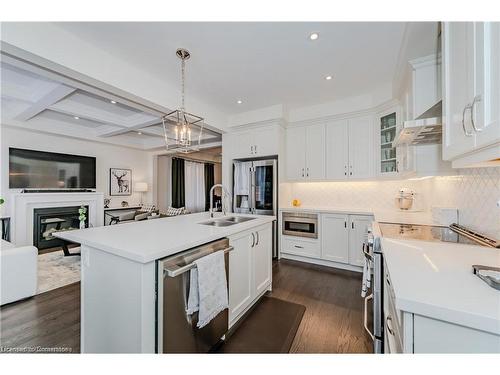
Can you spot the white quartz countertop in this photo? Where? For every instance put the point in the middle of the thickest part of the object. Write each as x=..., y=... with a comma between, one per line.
x=148, y=240
x=435, y=279
x=386, y=216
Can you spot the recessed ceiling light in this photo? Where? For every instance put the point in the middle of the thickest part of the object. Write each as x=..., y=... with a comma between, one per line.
x=314, y=36
x=76, y=117
x=239, y=101
x=139, y=133
x=328, y=78
x=113, y=102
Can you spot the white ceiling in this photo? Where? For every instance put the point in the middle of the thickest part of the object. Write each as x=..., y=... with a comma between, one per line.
x=32, y=101
x=260, y=63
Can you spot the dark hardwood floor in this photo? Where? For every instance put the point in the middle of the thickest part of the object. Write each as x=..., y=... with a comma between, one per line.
x=332, y=323
x=47, y=320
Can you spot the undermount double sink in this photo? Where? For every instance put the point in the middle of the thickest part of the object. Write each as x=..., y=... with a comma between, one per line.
x=227, y=221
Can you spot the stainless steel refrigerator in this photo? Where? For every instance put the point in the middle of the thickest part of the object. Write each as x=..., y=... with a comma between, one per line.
x=255, y=189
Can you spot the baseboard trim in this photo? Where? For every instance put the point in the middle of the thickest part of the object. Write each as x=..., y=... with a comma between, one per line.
x=322, y=262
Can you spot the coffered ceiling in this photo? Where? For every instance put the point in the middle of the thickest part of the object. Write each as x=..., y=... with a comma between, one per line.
x=33, y=101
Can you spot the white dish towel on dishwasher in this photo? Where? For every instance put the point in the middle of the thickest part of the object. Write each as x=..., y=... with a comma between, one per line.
x=367, y=276
x=208, y=288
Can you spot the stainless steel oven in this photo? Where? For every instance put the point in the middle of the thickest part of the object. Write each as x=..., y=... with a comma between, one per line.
x=300, y=224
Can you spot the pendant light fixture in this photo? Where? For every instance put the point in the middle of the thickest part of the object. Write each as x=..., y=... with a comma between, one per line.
x=182, y=123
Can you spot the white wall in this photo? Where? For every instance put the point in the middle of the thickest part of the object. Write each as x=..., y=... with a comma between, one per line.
x=107, y=156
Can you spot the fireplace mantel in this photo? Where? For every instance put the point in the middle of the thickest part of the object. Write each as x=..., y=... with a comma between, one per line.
x=23, y=205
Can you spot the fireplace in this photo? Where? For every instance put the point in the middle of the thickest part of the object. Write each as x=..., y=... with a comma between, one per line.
x=46, y=221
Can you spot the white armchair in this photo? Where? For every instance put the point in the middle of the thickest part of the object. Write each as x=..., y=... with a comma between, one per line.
x=18, y=272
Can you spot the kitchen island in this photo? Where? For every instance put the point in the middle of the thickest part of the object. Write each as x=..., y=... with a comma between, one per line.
x=119, y=274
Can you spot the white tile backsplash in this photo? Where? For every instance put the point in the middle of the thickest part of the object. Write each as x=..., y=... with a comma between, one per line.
x=475, y=192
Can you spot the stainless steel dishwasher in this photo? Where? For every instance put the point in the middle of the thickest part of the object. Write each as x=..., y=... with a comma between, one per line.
x=176, y=331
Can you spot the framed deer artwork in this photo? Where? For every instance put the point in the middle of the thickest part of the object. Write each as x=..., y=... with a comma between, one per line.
x=120, y=181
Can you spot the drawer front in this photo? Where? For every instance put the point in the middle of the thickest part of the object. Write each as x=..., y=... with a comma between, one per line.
x=393, y=318
x=302, y=248
x=389, y=291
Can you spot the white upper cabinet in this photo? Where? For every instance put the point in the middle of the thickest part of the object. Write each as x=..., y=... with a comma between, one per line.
x=471, y=81
x=360, y=147
x=251, y=143
x=349, y=149
x=305, y=152
x=315, y=152
x=458, y=136
x=337, y=150
x=265, y=141
x=486, y=109
x=295, y=153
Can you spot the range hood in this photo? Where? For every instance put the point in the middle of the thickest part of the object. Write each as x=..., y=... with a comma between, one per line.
x=425, y=129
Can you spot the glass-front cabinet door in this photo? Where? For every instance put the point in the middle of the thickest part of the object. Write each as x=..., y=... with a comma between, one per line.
x=388, y=154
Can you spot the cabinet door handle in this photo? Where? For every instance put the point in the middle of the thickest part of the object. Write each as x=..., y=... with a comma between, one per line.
x=352, y=224
x=253, y=240
x=307, y=173
x=477, y=98
x=389, y=328
x=345, y=170
x=350, y=170
x=365, y=315
x=345, y=224
x=257, y=242
x=397, y=166
x=302, y=172
x=298, y=247
x=251, y=150
x=255, y=149
x=467, y=107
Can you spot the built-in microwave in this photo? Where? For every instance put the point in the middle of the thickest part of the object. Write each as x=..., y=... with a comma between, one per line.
x=300, y=224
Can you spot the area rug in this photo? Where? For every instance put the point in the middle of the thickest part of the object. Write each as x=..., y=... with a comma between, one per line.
x=55, y=270
x=269, y=328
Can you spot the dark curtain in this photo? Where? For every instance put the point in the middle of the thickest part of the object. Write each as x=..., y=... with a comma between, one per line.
x=178, y=192
x=209, y=182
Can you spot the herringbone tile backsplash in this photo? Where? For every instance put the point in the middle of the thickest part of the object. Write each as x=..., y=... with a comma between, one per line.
x=475, y=192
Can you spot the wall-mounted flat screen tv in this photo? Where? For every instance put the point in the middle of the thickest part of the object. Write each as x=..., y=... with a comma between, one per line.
x=30, y=169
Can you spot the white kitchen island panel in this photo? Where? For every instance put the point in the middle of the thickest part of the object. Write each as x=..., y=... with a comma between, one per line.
x=118, y=282
x=117, y=304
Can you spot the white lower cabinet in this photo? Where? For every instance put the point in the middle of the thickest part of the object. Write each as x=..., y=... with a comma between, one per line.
x=343, y=237
x=406, y=332
x=302, y=247
x=334, y=238
x=358, y=229
x=262, y=261
x=240, y=274
x=250, y=269
x=339, y=244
